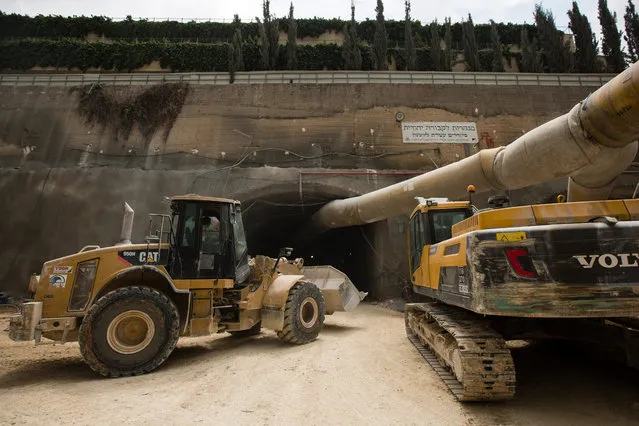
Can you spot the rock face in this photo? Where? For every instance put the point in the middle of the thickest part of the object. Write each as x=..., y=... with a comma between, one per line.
x=282, y=150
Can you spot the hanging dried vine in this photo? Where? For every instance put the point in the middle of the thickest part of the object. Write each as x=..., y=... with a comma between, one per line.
x=154, y=108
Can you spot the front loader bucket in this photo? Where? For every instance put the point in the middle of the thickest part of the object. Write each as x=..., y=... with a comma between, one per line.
x=339, y=291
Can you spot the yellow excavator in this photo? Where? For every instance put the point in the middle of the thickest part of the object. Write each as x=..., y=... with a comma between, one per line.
x=128, y=304
x=509, y=273
x=564, y=270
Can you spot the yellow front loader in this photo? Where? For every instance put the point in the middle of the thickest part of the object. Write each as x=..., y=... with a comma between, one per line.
x=128, y=304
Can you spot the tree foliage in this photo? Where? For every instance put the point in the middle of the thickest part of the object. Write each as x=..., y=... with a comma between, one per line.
x=471, y=54
x=351, y=53
x=435, y=46
x=611, y=40
x=409, y=41
x=236, y=54
x=448, y=49
x=291, y=46
x=58, y=27
x=269, y=35
x=555, y=52
x=530, y=55
x=498, y=52
x=632, y=31
x=585, y=40
x=381, y=39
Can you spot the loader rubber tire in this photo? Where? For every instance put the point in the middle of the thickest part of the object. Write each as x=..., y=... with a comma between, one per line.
x=303, y=314
x=253, y=331
x=138, y=314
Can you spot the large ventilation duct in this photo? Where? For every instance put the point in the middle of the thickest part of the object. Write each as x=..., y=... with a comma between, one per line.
x=592, y=145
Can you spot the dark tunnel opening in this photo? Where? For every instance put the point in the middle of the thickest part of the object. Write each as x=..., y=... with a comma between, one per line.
x=274, y=221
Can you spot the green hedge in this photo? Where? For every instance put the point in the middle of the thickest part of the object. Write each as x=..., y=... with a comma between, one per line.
x=120, y=56
x=55, y=27
x=124, y=56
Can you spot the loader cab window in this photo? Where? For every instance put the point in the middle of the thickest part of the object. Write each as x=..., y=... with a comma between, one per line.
x=442, y=222
x=242, y=269
x=210, y=244
x=201, y=249
x=188, y=231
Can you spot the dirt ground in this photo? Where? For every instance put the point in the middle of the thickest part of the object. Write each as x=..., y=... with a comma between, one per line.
x=362, y=370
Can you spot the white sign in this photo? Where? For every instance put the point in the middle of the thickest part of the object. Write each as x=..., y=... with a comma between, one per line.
x=432, y=132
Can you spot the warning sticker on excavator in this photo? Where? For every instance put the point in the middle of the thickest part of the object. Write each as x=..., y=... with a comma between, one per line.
x=511, y=236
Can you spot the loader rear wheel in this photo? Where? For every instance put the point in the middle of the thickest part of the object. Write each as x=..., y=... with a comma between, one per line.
x=129, y=331
x=253, y=331
x=303, y=314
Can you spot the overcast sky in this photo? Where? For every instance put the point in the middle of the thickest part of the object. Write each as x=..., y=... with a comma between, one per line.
x=517, y=11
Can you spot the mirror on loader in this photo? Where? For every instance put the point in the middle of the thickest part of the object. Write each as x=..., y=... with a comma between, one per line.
x=285, y=252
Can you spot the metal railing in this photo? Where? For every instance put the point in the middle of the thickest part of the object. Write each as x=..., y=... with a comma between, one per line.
x=311, y=77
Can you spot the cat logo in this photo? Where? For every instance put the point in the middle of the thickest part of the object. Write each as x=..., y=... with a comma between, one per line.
x=149, y=257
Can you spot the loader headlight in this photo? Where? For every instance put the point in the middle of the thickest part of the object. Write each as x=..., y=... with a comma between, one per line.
x=83, y=284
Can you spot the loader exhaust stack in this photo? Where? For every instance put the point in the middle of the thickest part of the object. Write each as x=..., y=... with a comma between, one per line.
x=127, y=225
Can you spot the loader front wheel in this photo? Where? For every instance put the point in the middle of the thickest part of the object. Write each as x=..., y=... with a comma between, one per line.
x=129, y=331
x=303, y=314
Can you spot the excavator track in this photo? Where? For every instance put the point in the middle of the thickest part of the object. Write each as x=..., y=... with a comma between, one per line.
x=469, y=357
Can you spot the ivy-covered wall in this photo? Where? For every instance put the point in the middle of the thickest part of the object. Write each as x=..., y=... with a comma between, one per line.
x=25, y=54
x=180, y=57
x=56, y=27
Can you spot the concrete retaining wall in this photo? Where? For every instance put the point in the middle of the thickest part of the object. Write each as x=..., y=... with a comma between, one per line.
x=63, y=182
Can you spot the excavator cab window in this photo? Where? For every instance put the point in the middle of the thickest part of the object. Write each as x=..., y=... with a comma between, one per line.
x=442, y=221
x=418, y=239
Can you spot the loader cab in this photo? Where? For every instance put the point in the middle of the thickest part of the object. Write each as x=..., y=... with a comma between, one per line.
x=431, y=223
x=207, y=239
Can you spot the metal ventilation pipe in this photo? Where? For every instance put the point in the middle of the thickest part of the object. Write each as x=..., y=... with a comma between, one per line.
x=127, y=225
x=592, y=145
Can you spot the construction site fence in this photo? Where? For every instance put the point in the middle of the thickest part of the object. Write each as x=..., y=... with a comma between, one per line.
x=310, y=77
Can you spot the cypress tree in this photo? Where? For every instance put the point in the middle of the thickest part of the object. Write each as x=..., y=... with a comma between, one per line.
x=381, y=40
x=236, y=56
x=350, y=48
x=498, y=53
x=555, y=53
x=435, y=46
x=409, y=42
x=530, y=57
x=269, y=34
x=291, y=46
x=611, y=41
x=471, y=55
x=273, y=38
x=585, y=40
x=632, y=31
x=448, y=41
x=264, y=45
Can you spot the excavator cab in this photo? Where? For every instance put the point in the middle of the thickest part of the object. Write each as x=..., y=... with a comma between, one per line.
x=431, y=224
x=207, y=239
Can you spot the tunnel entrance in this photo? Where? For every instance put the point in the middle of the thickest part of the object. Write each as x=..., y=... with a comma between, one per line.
x=274, y=221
